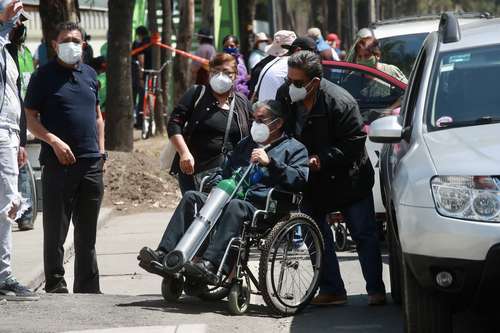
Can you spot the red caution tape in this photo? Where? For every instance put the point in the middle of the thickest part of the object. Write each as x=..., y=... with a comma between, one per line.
x=156, y=41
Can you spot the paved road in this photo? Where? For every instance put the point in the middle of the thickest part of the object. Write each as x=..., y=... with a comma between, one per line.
x=132, y=298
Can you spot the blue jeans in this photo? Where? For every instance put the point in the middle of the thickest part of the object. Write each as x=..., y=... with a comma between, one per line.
x=361, y=223
x=24, y=184
x=186, y=182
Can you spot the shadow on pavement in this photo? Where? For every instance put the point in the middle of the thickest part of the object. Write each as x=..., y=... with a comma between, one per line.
x=193, y=305
x=354, y=317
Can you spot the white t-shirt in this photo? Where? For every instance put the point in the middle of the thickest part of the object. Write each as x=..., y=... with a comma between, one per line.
x=272, y=77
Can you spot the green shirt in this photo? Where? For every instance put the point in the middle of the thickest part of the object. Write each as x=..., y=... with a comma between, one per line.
x=102, y=91
x=26, y=68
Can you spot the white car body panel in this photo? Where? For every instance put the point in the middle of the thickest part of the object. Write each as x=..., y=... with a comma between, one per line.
x=466, y=151
x=425, y=232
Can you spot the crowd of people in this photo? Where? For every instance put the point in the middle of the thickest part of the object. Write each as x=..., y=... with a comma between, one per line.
x=317, y=137
x=277, y=98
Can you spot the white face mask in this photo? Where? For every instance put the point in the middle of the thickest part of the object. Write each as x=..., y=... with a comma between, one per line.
x=221, y=83
x=297, y=94
x=260, y=132
x=262, y=46
x=69, y=53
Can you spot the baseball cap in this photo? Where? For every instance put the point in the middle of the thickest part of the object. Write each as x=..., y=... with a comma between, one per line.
x=261, y=36
x=282, y=40
x=304, y=44
x=204, y=33
x=332, y=37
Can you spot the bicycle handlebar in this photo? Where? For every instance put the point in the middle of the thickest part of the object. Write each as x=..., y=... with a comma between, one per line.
x=153, y=71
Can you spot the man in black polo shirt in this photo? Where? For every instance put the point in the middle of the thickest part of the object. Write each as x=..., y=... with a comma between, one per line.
x=64, y=93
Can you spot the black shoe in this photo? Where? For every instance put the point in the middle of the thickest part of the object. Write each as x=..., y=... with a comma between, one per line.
x=25, y=225
x=58, y=289
x=151, y=261
x=203, y=270
x=12, y=290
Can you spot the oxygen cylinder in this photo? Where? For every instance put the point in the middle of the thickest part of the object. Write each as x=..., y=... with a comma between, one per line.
x=201, y=226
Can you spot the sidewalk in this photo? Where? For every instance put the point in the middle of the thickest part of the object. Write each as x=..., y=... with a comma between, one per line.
x=118, y=244
x=27, y=250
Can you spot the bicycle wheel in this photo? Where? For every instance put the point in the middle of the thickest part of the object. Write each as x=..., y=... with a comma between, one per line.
x=145, y=118
x=152, y=123
x=288, y=274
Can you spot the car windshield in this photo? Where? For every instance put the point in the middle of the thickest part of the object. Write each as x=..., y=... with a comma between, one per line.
x=465, y=89
x=401, y=51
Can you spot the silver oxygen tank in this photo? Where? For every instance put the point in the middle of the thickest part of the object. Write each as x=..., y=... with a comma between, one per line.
x=203, y=223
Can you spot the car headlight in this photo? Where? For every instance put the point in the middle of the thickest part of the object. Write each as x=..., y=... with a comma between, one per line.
x=467, y=197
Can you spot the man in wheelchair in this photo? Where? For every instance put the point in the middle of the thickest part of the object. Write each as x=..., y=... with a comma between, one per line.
x=281, y=162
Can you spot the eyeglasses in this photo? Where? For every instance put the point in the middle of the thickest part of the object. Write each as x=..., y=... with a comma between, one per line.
x=298, y=84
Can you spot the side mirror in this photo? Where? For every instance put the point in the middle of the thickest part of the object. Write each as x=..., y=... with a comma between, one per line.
x=386, y=130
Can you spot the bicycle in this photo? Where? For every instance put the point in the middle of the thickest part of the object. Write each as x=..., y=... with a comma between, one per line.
x=152, y=89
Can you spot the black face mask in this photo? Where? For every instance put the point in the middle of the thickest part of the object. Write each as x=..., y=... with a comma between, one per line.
x=18, y=36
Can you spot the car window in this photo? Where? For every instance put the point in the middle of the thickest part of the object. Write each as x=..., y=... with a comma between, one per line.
x=464, y=89
x=401, y=51
x=413, y=89
x=375, y=96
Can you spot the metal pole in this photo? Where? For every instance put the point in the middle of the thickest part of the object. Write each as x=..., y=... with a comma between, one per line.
x=353, y=20
x=372, y=14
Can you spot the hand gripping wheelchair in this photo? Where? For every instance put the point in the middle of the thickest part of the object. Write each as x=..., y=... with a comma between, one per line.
x=288, y=271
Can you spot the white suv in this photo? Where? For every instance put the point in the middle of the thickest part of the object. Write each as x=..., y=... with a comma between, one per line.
x=440, y=172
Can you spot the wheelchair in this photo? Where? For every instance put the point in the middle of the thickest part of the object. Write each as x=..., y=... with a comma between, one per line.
x=288, y=273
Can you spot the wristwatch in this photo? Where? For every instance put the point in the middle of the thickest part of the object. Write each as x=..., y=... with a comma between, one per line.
x=104, y=156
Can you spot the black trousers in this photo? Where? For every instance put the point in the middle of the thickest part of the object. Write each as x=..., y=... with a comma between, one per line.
x=230, y=224
x=72, y=193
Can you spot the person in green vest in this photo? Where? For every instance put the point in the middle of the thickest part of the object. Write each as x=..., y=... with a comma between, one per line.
x=99, y=65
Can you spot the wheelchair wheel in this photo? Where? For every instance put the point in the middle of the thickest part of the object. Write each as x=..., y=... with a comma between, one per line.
x=239, y=298
x=288, y=273
x=171, y=288
x=340, y=237
x=214, y=294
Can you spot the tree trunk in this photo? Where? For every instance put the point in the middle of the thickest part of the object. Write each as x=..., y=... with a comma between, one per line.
x=207, y=14
x=246, y=12
x=166, y=55
x=184, y=37
x=119, y=119
x=156, y=59
x=53, y=12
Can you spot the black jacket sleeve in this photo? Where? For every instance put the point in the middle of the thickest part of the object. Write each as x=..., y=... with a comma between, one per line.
x=348, y=144
x=291, y=173
x=182, y=112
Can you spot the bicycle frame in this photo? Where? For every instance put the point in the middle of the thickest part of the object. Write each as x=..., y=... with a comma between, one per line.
x=151, y=90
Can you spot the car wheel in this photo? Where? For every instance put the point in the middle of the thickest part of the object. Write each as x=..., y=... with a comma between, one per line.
x=394, y=261
x=424, y=311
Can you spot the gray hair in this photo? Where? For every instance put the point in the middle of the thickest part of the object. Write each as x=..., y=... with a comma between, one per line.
x=273, y=107
x=69, y=26
x=307, y=61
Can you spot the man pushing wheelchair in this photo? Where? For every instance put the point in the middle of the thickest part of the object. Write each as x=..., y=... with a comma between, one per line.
x=271, y=159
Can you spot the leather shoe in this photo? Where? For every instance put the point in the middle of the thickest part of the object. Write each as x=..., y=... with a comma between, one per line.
x=203, y=270
x=150, y=260
x=329, y=299
x=376, y=299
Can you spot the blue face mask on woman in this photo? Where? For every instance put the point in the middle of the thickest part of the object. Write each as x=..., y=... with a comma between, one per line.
x=231, y=50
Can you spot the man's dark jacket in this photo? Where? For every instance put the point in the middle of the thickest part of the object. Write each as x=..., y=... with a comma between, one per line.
x=288, y=168
x=333, y=130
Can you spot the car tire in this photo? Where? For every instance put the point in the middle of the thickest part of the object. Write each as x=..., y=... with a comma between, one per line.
x=424, y=311
x=394, y=260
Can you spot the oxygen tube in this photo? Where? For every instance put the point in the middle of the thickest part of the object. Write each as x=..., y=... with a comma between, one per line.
x=205, y=220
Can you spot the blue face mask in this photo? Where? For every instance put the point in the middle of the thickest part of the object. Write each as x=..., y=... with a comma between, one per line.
x=231, y=50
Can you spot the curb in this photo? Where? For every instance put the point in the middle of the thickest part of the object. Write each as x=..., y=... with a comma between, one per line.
x=36, y=283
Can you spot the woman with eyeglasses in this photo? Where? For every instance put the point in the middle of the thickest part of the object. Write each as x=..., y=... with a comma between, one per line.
x=207, y=123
